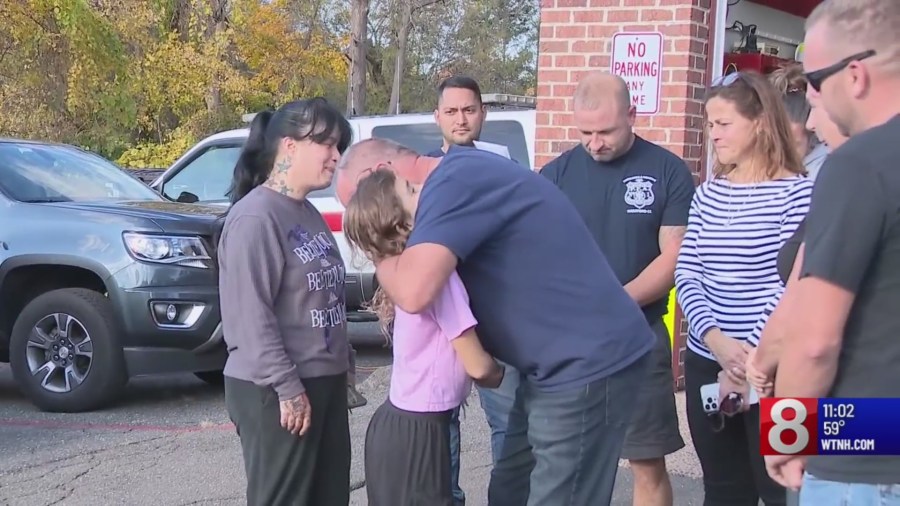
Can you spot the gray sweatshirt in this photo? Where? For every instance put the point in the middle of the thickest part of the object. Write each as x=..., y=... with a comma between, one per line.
x=814, y=160
x=281, y=287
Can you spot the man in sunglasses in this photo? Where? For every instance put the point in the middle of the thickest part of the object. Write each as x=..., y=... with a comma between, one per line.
x=844, y=337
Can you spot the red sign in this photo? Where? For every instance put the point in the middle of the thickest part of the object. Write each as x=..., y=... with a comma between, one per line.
x=788, y=426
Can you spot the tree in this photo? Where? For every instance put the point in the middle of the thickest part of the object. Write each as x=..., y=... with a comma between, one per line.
x=359, y=34
x=409, y=8
x=141, y=80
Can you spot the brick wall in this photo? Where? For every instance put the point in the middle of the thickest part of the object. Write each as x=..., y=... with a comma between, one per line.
x=576, y=37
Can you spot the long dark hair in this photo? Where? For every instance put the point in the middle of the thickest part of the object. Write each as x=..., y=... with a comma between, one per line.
x=314, y=119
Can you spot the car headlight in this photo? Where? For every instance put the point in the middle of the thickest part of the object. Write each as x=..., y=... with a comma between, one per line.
x=168, y=249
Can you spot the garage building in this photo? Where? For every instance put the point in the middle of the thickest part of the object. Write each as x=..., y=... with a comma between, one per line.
x=670, y=50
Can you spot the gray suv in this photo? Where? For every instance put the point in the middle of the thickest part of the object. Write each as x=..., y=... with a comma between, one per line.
x=101, y=278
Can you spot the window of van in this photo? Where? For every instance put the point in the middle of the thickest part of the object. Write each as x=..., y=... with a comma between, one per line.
x=208, y=175
x=425, y=137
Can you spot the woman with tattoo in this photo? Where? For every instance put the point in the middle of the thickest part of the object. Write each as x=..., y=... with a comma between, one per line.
x=281, y=283
x=436, y=355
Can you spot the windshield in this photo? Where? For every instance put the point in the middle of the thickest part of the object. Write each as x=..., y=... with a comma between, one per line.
x=55, y=173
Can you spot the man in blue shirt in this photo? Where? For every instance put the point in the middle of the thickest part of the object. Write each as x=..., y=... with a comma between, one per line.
x=634, y=196
x=460, y=115
x=547, y=303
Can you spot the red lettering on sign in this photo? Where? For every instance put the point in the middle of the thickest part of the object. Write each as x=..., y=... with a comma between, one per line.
x=639, y=49
x=636, y=69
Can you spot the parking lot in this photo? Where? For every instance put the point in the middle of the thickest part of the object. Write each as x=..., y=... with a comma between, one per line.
x=169, y=442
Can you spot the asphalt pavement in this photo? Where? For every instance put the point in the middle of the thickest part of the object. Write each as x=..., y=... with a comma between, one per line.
x=169, y=442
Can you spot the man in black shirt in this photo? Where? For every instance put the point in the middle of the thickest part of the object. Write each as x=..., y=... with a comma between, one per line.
x=845, y=337
x=634, y=197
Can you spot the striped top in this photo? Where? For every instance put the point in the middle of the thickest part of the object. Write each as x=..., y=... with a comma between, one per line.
x=727, y=270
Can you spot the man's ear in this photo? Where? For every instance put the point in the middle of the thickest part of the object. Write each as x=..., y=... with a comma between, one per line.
x=632, y=114
x=860, y=79
x=436, y=114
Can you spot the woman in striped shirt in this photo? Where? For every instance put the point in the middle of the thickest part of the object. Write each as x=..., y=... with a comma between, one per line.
x=727, y=273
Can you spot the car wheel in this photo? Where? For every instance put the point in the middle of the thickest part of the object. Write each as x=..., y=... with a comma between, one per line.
x=64, y=351
x=215, y=378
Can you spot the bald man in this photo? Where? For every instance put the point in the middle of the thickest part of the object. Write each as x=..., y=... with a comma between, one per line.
x=844, y=337
x=634, y=197
x=546, y=301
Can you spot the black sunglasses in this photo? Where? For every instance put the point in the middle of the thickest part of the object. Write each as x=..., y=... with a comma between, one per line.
x=817, y=77
x=731, y=405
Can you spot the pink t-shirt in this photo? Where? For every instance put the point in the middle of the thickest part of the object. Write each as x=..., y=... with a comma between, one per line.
x=427, y=376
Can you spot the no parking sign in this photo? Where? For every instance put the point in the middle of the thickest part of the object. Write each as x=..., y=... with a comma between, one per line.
x=637, y=58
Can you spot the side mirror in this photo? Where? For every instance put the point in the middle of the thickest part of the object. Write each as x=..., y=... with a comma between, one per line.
x=187, y=198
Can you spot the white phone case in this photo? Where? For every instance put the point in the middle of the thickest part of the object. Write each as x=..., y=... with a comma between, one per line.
x=709, y=396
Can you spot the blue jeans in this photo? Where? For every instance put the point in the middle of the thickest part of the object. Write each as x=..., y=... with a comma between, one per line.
x=562, y=448
x=816, y=492
x=497, y=403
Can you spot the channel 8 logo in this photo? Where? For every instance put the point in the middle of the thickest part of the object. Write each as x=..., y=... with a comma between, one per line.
x=787, y=426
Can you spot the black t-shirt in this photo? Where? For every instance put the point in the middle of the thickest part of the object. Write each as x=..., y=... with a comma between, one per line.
x=853, y=240
x=787, y=255
x=625, y=202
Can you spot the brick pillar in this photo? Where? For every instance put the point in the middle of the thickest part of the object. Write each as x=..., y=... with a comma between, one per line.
x=576, y=37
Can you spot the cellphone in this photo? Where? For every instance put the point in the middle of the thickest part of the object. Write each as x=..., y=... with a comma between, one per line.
x=709, y=395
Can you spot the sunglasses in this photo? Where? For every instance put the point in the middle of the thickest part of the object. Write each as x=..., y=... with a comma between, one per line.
x=730, y=406
x=726, y=80
x=817, y=77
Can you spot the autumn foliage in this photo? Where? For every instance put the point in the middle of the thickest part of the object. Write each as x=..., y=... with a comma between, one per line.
x=140, y=81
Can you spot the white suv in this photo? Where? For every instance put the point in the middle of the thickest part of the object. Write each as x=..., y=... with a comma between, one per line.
x=203, y=174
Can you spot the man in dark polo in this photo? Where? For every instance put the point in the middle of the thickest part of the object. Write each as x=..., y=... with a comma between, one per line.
x=634, y=197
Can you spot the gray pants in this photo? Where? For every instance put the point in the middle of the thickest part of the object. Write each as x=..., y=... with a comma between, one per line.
x=563, y=447
x=284, y=469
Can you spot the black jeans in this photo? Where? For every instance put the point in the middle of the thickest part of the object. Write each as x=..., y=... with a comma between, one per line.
x=284, y=469
x=734, y=473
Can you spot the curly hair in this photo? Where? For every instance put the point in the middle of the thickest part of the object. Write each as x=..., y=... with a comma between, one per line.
x=377, y=225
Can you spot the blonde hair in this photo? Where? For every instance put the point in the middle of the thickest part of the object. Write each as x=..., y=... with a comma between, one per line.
x=862, y=25
x=377, y=225
x=757, y=100
x=598, y=88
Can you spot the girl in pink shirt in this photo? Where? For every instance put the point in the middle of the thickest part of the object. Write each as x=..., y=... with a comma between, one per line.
x=436, y=356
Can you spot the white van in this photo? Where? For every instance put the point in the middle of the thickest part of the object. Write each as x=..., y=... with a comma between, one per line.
x=203, y=174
